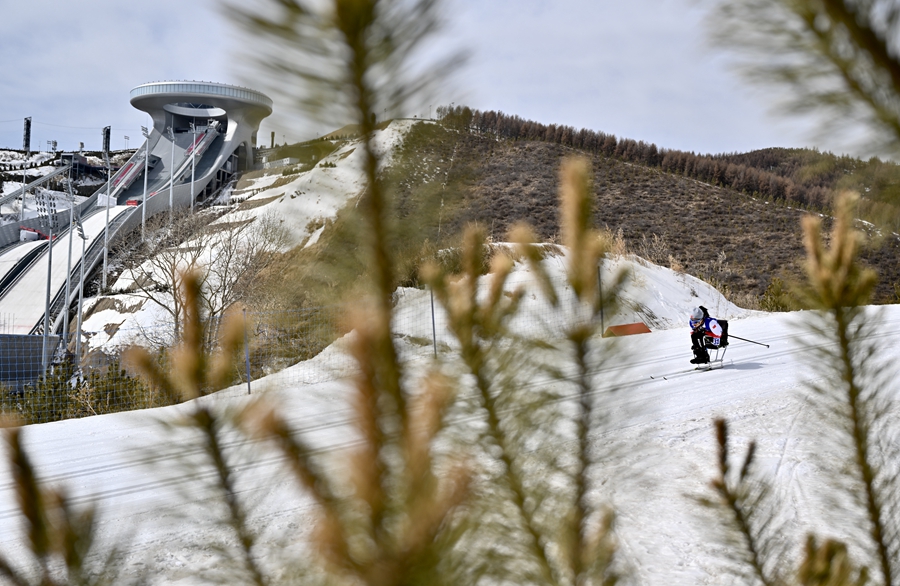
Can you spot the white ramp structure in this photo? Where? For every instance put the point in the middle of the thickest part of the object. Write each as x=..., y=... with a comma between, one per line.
x=203, y=133
x=26, y=299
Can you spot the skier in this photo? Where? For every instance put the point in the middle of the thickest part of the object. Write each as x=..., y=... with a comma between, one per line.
x=705, y=331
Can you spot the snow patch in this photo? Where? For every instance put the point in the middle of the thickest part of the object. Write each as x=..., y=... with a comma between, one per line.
x=663, y=426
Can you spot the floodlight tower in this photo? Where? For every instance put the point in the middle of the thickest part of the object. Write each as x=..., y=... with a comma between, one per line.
x=106, y=132
x=193, y=160
x=65, y=336
x=146, y=172
x=171, y=175
x=81, y=234
x=45, y=363
x=26, y=146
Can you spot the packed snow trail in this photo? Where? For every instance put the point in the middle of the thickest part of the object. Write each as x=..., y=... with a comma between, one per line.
x=144, y=474
x=26, y=299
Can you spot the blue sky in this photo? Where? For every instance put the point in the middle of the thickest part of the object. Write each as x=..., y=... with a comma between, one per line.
x=640, y=69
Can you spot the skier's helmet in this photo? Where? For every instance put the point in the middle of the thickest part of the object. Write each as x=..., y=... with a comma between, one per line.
x=696, y=314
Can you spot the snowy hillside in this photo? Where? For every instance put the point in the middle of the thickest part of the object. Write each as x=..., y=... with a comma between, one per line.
x=305, y=204
x=136, y=467
x=14, y=160
x=318, y=194
x=302, y=205
x=42, y=163
x=143, y=472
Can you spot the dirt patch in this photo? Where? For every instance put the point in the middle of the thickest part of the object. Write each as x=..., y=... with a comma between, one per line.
x=223, y=226
x=116, y=305
x=256, y=203
x=111, y=329
x=248, y=179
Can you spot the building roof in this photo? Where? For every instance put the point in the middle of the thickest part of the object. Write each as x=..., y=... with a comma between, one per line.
x=214, y=94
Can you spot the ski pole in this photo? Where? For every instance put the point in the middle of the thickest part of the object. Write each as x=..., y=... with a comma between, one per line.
x=746, y=340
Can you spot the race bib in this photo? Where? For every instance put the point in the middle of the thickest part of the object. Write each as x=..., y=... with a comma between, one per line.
x=715, y=329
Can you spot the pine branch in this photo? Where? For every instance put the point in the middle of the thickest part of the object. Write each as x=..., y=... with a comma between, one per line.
x=848, y=67
x=208, y=425
x=583, y=425
x=838, y=287
x=476, y=327
x=858, y=25
x=31, y=499
x=514, y=480
x=742, y=511
x=861, y=444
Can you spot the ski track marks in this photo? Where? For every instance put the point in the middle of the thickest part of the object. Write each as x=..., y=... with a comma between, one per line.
x=147, y=479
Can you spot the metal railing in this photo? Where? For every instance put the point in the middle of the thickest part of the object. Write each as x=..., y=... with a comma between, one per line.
x=202, y=88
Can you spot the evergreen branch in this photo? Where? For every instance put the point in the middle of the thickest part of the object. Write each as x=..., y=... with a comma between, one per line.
x=371, y=468
x=513, y=478
x=475, y=326
x=834, y=54
x=208, y=425
x=829, y=565
x=858, y=25
x=735, y=500
x=31, y=499
x=586, y=249
x=580, y=559
x=261, y=420
x=76, y=534
x=7, y=572
x=838, y=287
x=847, y=68
x=861, y=444
x=58, y=537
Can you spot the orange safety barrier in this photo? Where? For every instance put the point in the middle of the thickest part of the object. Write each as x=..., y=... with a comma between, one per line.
x=626, y=330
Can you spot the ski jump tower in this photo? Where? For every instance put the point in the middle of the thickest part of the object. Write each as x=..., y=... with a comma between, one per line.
x=202, y=133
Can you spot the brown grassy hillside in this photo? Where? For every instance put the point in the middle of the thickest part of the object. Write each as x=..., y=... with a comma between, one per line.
x=730, y=238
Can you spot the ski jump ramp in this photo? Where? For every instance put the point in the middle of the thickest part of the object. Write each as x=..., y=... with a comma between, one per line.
x=200, y=129
x=26, y=299
x=203, y=133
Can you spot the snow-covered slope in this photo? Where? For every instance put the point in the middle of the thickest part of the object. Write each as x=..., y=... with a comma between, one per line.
x=12, y=161
x=319, y=193
x=302, y=206
x=137, y=467
x=314, y=197
x=142, y=470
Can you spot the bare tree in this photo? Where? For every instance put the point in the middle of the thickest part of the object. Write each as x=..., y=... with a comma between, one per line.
x=228, y=255
x=238, y=249
x=157, y=268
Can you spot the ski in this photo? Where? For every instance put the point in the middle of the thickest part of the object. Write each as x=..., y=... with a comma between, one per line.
x=698, y=368
x=672, y=374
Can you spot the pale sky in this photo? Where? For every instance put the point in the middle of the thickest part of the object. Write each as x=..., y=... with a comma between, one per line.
x=640, y=69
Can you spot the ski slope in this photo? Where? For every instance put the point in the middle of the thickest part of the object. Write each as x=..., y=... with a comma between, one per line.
x=314, y=197
x=143, y=472
x=26, y=299
x=15, y=254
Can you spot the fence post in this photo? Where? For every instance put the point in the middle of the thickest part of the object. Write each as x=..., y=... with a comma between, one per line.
x=246, y=352
x=600, y=292
x=45, y=361
x=433, y=328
